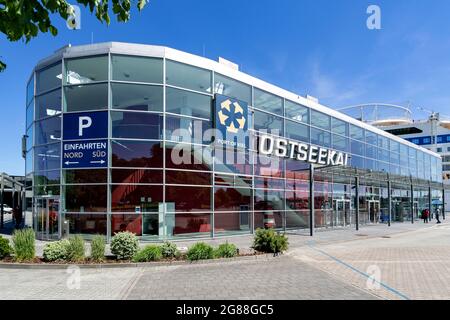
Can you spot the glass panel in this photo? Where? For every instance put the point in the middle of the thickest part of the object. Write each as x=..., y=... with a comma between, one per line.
x=151, y=224
x=356, y=132
x=85, y=176
x=383, y=142
x=320, y=120
x=232, y=88
x=48, y=78
x=29, y=162
x=136, y=176
x=136, y=125
x=189, y=77
x=136, y=198
x=139, y=154
x=320, y=137
x=229, y=161
x=297, y=131
x=340, y=143
x=48, y=130
x=371, y=151
x=296, y=111
x=267, y=102
x=269, y=166
x=30, y=89
x=232, y=221
x=86, y=70
x=371, y=138
x=183, y=129
x=188, y=103
x=137, y=97
x=232, y=199
x=85, y=198
x=339, y=126
x=29, y=141
x=47, y=177
x=188, y=177
x=126, y=222
x=395, y=146
x=48, y=104
x=47, y=157
x=188, y=157
x=137, y=69
x=91, y=97
x=186, y=224
x=269, y=200
x=185, y=199
x=30, y=115
x=357, y=147
x=269, y=122
x=89, y=224
x=269, y=219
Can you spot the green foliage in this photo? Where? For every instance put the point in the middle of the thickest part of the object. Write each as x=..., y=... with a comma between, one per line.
x=267, y=240
x=55, y=251
x=170, y=250
x=149, y=253
x=226, y=250
x=98, y=245
x=200, y=251
x=25, y=19
x=5, y=248
x=124, y=245
x=23, y=244
x=75, y=249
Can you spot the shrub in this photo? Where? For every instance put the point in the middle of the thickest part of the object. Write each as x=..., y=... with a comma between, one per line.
x=149, y=253
x=170, y=250
x=226, y=250
x=23, y=244
x=98, y=248
x=270, y=241
x=200, y=251
x=5, y=248
x=75, y=249
x=55, y=251
x=124, y=245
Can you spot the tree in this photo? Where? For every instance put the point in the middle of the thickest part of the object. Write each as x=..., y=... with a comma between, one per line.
x=24, y=19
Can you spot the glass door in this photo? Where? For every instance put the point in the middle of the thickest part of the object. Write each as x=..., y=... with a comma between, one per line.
x=46, y=213
x=342, y=215
x=374, y=211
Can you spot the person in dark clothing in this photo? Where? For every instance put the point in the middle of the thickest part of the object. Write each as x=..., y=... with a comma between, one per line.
x=17, y=217
x=425, y=216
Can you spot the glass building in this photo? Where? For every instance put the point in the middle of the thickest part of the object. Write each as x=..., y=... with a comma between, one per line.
x=143, y=96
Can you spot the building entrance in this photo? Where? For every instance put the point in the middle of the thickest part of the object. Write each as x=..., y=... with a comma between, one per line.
x=46, y=212
x=374, y=211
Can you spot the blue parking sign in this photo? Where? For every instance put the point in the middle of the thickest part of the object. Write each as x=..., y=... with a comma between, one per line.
x=85, y=154
x=85, y=125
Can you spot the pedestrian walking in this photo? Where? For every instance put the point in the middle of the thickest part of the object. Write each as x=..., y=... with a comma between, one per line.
x=425, y=215
x=438, y=211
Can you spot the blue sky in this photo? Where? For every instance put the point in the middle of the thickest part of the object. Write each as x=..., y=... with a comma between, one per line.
x=317, y=47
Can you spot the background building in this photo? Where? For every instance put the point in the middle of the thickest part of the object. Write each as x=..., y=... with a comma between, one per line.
x=128, y=102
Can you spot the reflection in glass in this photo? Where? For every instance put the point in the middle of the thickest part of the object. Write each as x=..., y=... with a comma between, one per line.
x=137, y=69
x=47, y=157
x=89, y=97
x=296, y=111
x=232, y=88
x=267, y=102
x=48, y=78
x=137, y=97
x=232, y=199
x=48, y=130
x=86, y=70
x=85, y=198
x=85, y=176
x=186, y=199
x=139, y=154
x=136, y=125
x=49, y=104
x=136, y=198
x=188, y=103
x=89, y=224
x=320, y=120
x=189, y=77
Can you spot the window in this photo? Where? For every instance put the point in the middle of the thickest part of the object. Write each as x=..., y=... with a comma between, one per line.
x=136, y=198
x=356, y=132
x=340, y=143
x=188, y=177
x=90, y=97
x=183, y=129
x=439, y=150
x=49, y=104
x=29, y=141
x=29, y=162
x=296, y=111
x=189, y=77
x=232, y=88
x=89, y=224
x=48, y=78
x=371, y=138
x=297, y=131
x=85, y=198
x=371, y=151
x=47, y=157
x=186, y=199
x=269, y=200
x=232, y=199
x=137, y=97
x=267, y=102
x=47, y=177
x=136, y=125
x=85, y=176
x=269, y=122
x=320, y=120
x=30, y=114
x=339, y=127
x=189, y=157
x=136, y=176
x=320, y=137
x=357, y=147
x=395, y=146
x=48, y=130
x=137, y=69
x=86, y=70
x=137, y=154
x=30, y=89
x=188, y=103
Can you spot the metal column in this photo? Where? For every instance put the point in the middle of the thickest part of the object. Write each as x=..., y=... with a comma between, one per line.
x=429, y=202
x=443, y=204
x=311, y=200
x=389, y=202
x=1, y=201
x=357, y=203
x=412, y=203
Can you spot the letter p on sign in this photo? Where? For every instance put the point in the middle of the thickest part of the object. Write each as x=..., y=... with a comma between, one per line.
x=83, y=123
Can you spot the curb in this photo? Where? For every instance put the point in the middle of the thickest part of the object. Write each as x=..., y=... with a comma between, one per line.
x=28, y=266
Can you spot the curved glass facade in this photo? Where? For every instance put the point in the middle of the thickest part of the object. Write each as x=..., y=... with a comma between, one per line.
x=158, y=105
